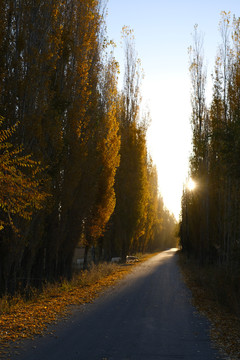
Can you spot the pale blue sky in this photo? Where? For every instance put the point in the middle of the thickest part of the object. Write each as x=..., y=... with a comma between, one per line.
x=162, y=35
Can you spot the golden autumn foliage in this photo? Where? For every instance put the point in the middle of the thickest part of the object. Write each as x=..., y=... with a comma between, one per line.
x=108, y=148
x=59, y=83
x=136, y=224
x=20, y=187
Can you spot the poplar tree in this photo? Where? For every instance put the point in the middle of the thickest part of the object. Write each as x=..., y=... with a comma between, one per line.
x=21, y=194
x=210, y=214
x=107, y=152
x=199, y=162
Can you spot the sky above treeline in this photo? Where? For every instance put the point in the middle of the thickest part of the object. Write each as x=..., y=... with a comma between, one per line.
x=163, y=33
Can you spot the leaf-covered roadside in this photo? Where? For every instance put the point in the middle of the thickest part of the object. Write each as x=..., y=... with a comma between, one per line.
x=27, y=319
x=225, y=326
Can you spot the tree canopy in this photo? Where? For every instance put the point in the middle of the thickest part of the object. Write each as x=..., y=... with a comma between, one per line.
x=210, y=213
x=74, y=162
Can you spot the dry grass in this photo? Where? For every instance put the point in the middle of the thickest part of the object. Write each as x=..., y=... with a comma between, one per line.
x=21, y=318
x=80, y=279
x=215, y=296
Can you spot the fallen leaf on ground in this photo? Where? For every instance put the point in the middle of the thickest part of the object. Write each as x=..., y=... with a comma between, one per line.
x=28, y=319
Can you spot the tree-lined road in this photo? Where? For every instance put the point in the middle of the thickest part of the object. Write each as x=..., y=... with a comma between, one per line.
x=148, y=316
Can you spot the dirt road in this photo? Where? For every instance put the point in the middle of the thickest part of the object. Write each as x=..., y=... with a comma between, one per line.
x=147, y=316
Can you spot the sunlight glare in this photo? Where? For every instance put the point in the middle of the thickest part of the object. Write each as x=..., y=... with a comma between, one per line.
x=191, y=185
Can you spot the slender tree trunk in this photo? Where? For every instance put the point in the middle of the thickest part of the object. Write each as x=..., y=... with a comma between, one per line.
x=85, y=261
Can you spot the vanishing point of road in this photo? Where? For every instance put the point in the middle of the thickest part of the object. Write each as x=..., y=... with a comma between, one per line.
x=147, y=316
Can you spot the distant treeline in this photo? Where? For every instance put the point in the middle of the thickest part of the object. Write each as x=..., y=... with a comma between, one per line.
x=210, y=226
x=74, y=165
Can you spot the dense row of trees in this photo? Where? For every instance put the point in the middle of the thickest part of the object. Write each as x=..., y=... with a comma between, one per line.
x=210, y=227
x=74, y=161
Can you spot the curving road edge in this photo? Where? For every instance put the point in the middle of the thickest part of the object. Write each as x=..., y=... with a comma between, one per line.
x=147, y=316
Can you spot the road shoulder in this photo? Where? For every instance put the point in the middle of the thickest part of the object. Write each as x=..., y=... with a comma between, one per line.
x=224, y=326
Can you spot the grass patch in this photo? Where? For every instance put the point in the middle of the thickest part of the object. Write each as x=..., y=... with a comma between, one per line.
x=215, y=295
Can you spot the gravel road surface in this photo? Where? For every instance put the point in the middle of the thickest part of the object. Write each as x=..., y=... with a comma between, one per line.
x=147, y=316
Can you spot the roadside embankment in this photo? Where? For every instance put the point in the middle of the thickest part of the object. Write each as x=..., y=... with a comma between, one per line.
x=213, y=296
